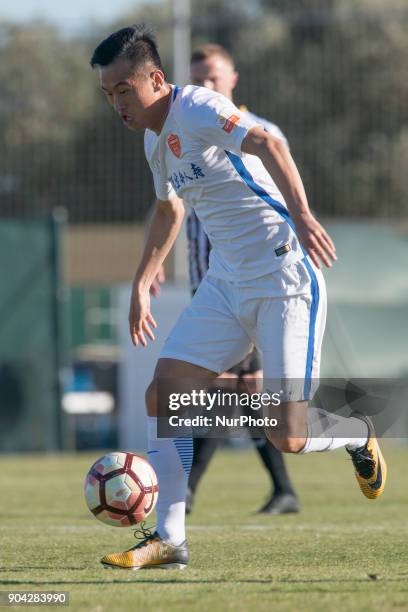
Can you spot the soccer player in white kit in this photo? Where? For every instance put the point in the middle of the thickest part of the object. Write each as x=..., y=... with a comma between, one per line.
x=212, y=66
x=264, y=285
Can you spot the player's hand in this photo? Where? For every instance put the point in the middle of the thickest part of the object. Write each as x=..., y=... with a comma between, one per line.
x=315, y=240
x=155, y=289
x=140, y=318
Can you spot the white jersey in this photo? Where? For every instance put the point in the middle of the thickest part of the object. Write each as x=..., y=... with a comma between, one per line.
x=199, y=247
x=269, y=127
x=198, y=155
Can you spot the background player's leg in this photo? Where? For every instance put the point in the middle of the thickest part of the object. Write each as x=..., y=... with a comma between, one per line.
x=204, y=449
x=283, y=498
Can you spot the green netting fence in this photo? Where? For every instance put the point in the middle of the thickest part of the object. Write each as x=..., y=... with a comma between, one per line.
x=31, y=335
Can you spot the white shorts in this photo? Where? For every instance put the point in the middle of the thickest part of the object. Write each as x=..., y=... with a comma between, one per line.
x=283, y=314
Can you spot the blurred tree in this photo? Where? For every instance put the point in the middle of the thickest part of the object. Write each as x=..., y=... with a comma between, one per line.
x=331, y=73
x=45, y=94
x=110, y=177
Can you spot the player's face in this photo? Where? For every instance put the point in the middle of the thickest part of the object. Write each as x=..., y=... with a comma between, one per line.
x=132, y=93
x=216, y=73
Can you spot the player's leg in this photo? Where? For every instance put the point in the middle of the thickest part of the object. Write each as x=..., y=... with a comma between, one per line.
x=208, y=337
x=294, y=327
x=171, y=459
x=203, y=343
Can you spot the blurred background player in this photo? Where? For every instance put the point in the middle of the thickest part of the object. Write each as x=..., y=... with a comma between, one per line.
x=213, y=67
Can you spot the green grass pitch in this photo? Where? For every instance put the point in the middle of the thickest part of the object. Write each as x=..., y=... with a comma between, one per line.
x=342, y=552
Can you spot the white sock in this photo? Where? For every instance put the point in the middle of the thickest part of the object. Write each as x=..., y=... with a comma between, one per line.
x=171, y=459
x=327, y=431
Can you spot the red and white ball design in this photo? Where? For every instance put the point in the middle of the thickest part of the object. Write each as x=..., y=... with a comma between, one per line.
x=121, y=489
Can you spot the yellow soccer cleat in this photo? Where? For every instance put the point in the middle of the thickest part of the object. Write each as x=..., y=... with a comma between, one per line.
x=370, y=466
x=151, y=553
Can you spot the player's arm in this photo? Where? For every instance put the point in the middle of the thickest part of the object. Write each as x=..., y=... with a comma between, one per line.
x=164, y=227
x=160, y=278
x=278, y=161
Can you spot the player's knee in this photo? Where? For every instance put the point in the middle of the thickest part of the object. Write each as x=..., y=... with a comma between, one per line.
x=289, y=445
x=286, y=444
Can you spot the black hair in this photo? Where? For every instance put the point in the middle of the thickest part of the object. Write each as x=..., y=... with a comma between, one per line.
x=136, y=43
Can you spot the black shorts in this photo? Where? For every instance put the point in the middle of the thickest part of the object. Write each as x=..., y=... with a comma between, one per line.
x=249, y=365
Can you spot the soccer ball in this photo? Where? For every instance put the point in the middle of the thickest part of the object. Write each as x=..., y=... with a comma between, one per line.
x=121, y=489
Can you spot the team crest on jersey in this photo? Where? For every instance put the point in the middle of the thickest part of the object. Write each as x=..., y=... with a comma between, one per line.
x=227, y=123
x=174, y=145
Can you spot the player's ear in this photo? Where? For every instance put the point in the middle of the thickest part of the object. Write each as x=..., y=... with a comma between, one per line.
x=235, y=79
x=158, y=79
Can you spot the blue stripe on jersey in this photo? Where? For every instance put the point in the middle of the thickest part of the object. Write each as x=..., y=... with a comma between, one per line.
x=257, y=189
x=284, y=213
x=312, y=327
x=175, y=92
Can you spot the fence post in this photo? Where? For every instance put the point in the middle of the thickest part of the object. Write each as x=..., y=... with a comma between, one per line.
x=58, y=220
